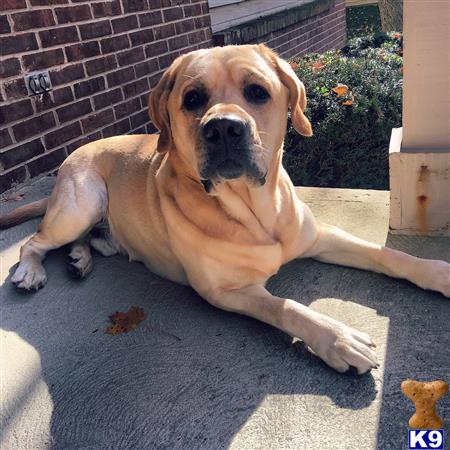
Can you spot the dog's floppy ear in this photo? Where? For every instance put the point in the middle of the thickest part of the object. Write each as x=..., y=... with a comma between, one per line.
x=157, y=105
x=296, y=88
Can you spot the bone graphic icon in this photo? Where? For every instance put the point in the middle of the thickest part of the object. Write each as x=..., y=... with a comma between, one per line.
x=424, y=395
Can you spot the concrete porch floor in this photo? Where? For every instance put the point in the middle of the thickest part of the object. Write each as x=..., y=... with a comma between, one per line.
x=194, y=377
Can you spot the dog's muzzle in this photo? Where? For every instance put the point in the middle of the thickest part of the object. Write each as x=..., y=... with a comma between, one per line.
x=226, y=143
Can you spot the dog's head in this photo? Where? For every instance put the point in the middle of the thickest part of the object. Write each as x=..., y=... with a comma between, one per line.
x=224, y=111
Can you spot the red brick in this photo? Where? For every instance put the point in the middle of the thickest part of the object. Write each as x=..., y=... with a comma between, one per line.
x=178, y=42
x=76, y=52
x=155, y=49
x=97, y=120
x=130, y=6
x=83, y=141
x=48, y=2
x=114, y=43
x=70, y=14
x=173, y=14
x=150, y=18
x=146, y=68
x=127, y=108
x=15, y=88
x=42, y=60
x=154, y=4
x=5, y=138
x=153, y=80
x=138, y=131
x=67, y=74
x=4, y=25
x=202, y=22
x=196, y=36
x=37, y=18
x=108, y=98
x=184, y=26
x=46, y=163
x=9, y=67
x=120, y=76
x=62, y=95
x=192, y=10
x=12, y=4
x=95, y=29
x=20, y=154
x=34, y=126
x=101, y=65
x=15, y=111
x=12, y=178
x=111, y=8
x=151, y=129
x=118, y=128
x=57, y=36
x=74, y=110
x=166, y=60
x=135, y=88
x=53, y=99
x=131, y=56
x=139, y=119
x=89, y=87
x=205, y=8
x=164, y=31
x=124, y=24
x=141, y=37
x=62, y=135
x=17, y=44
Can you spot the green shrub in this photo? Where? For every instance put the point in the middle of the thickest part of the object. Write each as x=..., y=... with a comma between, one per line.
x=362, y=20
x=351, y=131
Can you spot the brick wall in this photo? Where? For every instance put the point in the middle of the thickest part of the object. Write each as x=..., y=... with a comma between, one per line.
x=103, y=58
x=313, y=27
x=325, y=31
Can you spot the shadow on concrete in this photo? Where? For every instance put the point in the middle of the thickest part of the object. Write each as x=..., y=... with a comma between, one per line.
x=189, y=377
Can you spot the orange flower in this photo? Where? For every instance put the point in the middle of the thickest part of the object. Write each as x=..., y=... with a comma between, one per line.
x=397, y=36
x=294, y=65
x=340, y=89
x=348, y=103
x=401, y=69
x=317, y=66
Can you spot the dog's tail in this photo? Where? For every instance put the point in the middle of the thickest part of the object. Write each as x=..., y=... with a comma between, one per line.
x=23, y=213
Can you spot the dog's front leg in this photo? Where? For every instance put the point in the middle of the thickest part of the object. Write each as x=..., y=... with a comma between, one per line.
x=337, y=344
x=335, y=246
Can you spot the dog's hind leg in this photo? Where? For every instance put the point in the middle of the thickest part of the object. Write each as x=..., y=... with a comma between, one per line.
x=80, y=259
x=102, y=241
x=78, y=202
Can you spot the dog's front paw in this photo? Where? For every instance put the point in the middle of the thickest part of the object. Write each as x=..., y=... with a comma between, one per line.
x=29, y=276
x=434, y=275
x=342, y=347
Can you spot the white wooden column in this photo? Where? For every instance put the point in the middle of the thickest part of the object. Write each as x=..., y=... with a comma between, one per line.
x=419, y=153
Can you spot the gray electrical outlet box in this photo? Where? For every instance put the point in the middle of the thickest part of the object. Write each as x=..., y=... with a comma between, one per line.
x=38, y=82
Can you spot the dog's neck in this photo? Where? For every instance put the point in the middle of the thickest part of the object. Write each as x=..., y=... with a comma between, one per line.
x=235, y=208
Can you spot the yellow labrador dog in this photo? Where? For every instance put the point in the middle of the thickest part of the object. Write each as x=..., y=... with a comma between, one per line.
x=208, y=203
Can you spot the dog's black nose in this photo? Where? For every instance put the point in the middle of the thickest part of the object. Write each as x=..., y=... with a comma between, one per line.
x=225, y=132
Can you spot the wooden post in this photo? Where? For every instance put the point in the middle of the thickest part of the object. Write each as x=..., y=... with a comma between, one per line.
x=419, y=153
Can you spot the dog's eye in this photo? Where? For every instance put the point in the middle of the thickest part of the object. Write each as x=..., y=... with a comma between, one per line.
x=195, y=100
x=254, y=93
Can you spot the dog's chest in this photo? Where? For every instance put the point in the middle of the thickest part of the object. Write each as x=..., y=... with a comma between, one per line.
x=222, y=264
